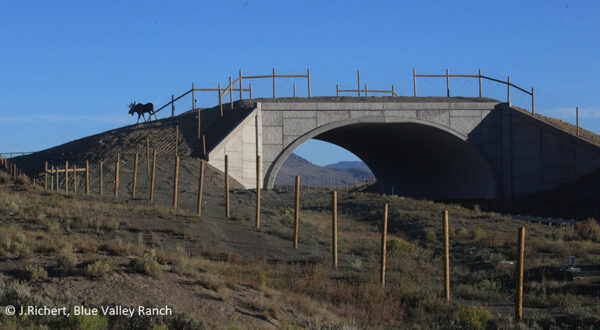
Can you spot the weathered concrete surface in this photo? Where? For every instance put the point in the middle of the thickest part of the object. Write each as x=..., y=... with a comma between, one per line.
x=439, y=148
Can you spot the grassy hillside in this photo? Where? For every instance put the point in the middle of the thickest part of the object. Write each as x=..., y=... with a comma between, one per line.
x=223, y=273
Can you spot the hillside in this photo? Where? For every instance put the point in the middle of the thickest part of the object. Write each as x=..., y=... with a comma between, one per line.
x=66, y=250
x=311, y=173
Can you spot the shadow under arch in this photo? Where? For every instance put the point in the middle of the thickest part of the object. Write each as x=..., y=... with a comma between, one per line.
x=408, y=156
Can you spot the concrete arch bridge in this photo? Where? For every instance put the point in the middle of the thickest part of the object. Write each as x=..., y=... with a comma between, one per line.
x=423, y=147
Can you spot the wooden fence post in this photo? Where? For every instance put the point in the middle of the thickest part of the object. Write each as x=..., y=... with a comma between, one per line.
x=52, y=174
x=334, y=219
x=177, y=140
x=258, y=165
x=117, y=175
x=57, y=180
x=45, y=175
x=87, y=177
x=227, y=186
x=133, y=184
x=175, y=182
x=147, y=156
x=153, y=175
x=100, y=178
x=200, y=186
x=66, y=177
x=519, y=292
x=74, y=179
x=446, y=257
x=383, y=245
x=297, y=213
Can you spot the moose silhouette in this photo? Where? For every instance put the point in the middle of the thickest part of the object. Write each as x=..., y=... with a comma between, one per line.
x=141, y=110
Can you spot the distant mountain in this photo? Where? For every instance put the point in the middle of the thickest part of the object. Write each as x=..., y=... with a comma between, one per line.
x=311, y=173
x=348, y=164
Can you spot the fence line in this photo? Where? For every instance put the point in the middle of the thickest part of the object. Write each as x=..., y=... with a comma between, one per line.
x=478, y=76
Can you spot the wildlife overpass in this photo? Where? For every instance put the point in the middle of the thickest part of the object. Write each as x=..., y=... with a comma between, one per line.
x=423, y=147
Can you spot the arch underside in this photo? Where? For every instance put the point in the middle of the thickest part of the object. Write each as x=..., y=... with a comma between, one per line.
x=416, y=160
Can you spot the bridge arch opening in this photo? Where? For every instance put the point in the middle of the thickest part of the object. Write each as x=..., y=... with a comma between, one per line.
x=408, y=157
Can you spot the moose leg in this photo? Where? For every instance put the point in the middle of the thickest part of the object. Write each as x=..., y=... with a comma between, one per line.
x=138, y=118
x=144, y=116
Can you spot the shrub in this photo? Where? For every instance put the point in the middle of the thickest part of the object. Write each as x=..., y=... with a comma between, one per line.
x=261, y=280
x=474, y=317
x=400, y=246
x=589, y=230
x=89, y=322
x=477, y=234
x=99, y=269
x=148, y=265
x=67, y=260
x=22, y=179
x=37, y=273
x=430, y=236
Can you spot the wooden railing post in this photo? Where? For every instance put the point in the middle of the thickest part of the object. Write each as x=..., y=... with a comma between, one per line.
x=508, y=90
x=366, y=90
x=358, y=77
x=297, y=213
x=308, y=79
x=134, y=180
x=250, y=91
x=100, y=178
x=415, y=81
x=241, y=87
x=193, y=98
x=334, y=240
x=87, y=177
x=258, y=179
x=220, y=100
x=480, y=83
x=383, y=245
x=227, y=186
x=273, y=82
x=447, y=83
x=230, y=94
x=446, y=257
x=200, y=186
x=117, y=175
x=577, y=119
x=337, y=90
x=294, y=90
x=152, y=177
x=519, y=273
x=175, y=182
x=172, y=105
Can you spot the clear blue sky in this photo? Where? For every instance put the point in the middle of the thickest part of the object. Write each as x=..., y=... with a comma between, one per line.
x=69, y=68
